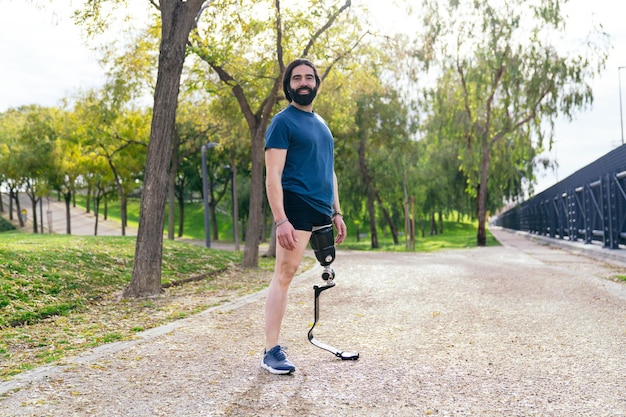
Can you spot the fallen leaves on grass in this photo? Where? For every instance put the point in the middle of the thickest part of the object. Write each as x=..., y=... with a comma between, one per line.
x=108, y=320
x=59, y=293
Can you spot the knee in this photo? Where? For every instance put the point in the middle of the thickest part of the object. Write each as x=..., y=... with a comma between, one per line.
x=284, y=273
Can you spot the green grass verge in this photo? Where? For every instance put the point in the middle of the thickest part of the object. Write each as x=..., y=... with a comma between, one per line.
x=193, y=223
x=47, y=275
x=456, y=235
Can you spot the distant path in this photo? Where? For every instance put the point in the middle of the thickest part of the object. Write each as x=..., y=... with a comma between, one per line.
x=81, y=222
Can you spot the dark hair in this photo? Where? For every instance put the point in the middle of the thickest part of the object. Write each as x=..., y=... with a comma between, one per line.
x=289, y=70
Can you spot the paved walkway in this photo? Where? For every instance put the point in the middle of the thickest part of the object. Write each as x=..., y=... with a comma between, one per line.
x=522, y=329
x=530, y=328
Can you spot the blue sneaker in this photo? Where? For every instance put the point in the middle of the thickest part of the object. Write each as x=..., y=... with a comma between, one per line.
x=276, y=361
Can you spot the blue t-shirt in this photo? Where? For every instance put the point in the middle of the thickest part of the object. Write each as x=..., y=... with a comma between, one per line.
x=309, y=166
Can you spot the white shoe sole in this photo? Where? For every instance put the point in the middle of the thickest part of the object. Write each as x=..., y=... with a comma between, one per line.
x=276, y=371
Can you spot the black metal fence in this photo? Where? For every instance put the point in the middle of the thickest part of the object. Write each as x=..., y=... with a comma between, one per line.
x=589, y=205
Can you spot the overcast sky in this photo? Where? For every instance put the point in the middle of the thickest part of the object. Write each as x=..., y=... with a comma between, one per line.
x=43, y=59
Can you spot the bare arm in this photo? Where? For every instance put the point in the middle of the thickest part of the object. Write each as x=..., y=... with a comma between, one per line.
x=338, y=218
x=274, y=164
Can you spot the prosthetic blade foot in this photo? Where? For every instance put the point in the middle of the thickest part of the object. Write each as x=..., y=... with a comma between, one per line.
x=346, y=356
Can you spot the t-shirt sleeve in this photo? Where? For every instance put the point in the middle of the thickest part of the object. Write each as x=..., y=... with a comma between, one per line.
x=277, y=134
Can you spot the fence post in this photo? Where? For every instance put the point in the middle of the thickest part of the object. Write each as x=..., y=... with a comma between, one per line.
x=588, y=207
x=613, y=222
x=571, y=216
x=607, y=217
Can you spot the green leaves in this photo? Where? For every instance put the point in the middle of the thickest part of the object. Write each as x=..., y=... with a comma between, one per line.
x=508, y=81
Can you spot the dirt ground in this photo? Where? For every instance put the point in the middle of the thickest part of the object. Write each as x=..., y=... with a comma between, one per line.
x=517, y=330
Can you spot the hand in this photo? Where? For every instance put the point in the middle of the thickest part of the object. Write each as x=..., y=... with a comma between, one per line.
x=342, y=230
x=286, y=236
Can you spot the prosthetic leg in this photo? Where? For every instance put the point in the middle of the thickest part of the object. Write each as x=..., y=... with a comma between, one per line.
x=323, y=245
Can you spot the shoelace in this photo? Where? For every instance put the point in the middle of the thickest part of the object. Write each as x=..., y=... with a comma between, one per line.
x=280, y=354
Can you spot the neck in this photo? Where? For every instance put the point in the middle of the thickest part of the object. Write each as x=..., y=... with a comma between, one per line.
x=308, y=108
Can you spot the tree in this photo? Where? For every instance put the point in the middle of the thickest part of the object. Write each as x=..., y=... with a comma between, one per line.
x=246, y=49
x=32, y=154
x=178, y=18
x=441, y=169
x=511, y=80
x=10, y=123
x=68, y=160
x=196, y=125
x=118, y=133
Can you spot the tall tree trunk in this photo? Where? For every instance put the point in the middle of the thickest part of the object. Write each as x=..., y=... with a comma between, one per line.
x=120, y=192
x=255, y=212
x=88, y=200
x=68, y=203
x=171, y=188
x=271, y=251
x=181, y=215
x=96, y=209
x=481, y=237
x=177, y=20
x=11, y=203
x=392, y=228
x=369, y=192
x=235, y=201
x=14, y=197
x=433, y=224
x=33, y=201
x=213, y=218
x=440, y=218
x=105, y=197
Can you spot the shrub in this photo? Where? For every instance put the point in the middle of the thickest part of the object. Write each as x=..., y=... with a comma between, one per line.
x=5, y=225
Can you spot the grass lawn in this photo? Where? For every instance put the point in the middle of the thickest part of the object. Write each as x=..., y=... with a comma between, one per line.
x=456, y=235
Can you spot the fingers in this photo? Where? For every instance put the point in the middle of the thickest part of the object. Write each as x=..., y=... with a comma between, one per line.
x=341, y=230
x=286, y=236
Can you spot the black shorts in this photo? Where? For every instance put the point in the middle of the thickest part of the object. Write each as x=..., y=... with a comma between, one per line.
x=301, y=215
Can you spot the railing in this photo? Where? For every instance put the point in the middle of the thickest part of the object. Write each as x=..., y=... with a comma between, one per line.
x=589, y=205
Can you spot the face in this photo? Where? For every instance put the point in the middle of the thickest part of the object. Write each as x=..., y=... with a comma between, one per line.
x=302, y=85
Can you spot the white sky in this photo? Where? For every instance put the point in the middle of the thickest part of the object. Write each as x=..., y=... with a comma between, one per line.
x=43, y=59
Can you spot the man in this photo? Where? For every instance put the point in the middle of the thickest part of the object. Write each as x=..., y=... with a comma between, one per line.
x=302, y=192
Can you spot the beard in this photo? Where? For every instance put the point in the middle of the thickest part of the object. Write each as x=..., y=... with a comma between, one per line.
x=303, y=99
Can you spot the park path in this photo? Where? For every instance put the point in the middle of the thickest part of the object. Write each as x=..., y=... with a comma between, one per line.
x=55, y=218
x=522, y=329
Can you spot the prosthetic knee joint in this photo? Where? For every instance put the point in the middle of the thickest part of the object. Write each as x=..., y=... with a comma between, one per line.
x=323, y=245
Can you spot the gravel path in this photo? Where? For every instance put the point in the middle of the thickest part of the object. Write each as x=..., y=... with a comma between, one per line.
x=517, y=330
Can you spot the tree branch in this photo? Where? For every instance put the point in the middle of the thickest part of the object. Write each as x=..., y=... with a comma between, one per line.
x=343, y=55
x=279, y=39
x=237, y=91
x=328, y=24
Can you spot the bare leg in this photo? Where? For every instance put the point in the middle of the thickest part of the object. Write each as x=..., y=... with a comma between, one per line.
x=287, y=263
